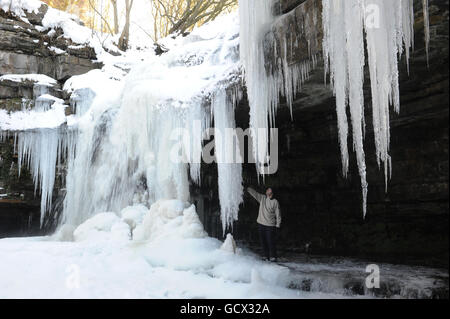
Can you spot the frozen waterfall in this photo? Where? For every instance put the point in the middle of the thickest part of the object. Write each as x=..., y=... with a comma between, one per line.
x=141, y=140
x=146, y=144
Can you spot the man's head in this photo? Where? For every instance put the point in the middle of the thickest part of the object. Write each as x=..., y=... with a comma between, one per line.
x=269, y=192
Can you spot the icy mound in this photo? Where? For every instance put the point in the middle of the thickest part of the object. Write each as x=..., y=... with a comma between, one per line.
x=168, y=219
x=103, y=226
x=133, y=215
x=171, y=235
x=176, y=239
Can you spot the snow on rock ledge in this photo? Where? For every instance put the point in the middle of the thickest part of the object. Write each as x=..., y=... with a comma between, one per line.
x=37, y=39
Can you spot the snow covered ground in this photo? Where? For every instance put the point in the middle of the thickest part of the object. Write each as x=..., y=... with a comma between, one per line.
x=169, y=256
x=164, y=252
x=40, y=268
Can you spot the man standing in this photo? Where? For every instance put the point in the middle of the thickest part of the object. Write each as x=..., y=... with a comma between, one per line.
x=269, y=219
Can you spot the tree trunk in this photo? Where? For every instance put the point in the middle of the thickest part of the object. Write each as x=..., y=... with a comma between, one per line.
x=116, y=16
x=124, y=37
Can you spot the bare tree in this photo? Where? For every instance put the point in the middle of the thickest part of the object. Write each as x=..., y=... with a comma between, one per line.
x=180, y=16
x=103, y=13
x=102, y=17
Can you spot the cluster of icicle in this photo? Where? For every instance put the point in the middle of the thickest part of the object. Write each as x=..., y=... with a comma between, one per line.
x=123, y=157
x=265, y=88
x=42, y=151
x=388, y=29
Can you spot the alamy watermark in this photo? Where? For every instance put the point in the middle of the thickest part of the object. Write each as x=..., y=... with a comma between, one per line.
x=373, y=279
x=372, y=14
x=226, y=146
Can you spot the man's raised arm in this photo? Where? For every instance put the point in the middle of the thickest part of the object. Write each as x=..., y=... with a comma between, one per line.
x=255, y=194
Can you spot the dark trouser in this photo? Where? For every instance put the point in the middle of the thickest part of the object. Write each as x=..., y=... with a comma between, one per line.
x=267, y=236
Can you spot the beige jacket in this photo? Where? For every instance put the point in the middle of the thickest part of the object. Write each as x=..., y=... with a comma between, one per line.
x=269, y=209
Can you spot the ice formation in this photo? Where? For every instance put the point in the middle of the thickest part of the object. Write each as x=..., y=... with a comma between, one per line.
x=387, y=28
x=229, y=159
x=150, y=133
x=130, y=131
x=263, y=87
x=426, y=21
x=43, y=151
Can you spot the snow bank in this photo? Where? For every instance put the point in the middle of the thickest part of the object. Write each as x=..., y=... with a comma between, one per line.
x=229, y=245
x=175, y=238
x=64, y=233
x=134, y=215
x=168, y=219
x=171, y=235
x=103, y=226
x=70, y=25
x=97, y=80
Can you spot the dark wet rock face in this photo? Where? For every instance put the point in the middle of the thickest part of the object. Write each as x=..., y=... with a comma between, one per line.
x=322, y=211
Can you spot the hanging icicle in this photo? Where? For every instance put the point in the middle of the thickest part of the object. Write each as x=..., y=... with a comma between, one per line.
x=426, y=21
x=229, y=166
x=42, y=151
x=388, y=29
x=264, y=88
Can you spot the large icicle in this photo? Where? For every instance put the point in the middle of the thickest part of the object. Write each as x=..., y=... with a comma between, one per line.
x=426, y=21
x=255, y=18
x=42, y=151
x=264, y=87
x=354, y=18
x=388, y=28
x=229, y=159
x=344, y=51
